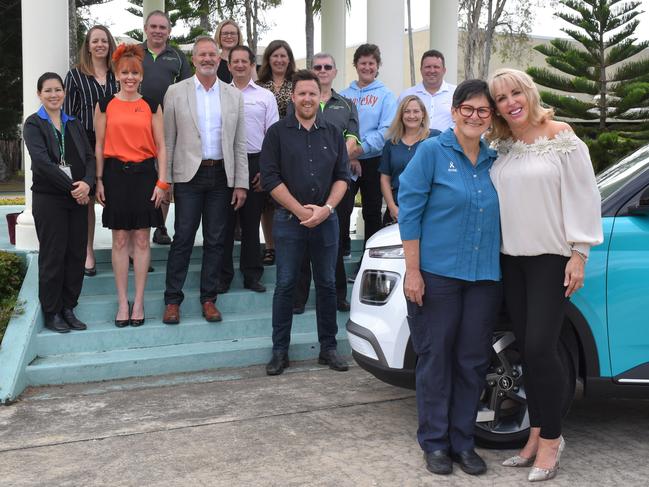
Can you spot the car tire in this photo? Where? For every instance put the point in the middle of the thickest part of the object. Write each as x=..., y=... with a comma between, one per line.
x=503, y=422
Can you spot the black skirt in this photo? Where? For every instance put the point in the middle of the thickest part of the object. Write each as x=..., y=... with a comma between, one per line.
x=128, y=188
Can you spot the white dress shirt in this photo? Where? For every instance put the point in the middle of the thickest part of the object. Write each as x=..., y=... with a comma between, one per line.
x=438, y=105
x=260, y=108
x=208, y=110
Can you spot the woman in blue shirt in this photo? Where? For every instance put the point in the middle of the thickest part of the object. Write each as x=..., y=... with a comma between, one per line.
x=450, y=227
x=408, y=129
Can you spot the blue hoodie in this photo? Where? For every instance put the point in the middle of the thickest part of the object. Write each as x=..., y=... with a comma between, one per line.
x=376, y=108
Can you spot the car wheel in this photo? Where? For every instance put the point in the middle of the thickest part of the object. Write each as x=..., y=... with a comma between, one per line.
x=503, y=420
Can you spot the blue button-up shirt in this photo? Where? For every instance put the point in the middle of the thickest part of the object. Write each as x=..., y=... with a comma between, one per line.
x=451, y=207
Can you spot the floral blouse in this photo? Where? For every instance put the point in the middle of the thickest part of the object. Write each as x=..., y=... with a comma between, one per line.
x=549, y=201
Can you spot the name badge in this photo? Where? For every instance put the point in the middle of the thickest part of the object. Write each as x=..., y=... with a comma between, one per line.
x=67, y=170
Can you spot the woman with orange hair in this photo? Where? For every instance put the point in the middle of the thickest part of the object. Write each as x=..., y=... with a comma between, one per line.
x=130, y=139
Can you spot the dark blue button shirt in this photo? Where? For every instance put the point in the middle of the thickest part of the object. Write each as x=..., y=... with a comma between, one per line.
x=307, y=161
x=451, y=207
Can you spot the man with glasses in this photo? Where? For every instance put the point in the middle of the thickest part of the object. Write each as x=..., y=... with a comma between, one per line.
x=436, y=93
x=342, y=113
x=163, y=66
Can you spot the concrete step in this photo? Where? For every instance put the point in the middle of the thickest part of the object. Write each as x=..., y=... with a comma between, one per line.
x=115, y=364
x=104, y=336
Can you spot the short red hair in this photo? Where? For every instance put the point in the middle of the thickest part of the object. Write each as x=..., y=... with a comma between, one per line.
x=128, y=56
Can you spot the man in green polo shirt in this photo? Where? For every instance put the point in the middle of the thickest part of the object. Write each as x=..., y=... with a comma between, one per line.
x=163, y=66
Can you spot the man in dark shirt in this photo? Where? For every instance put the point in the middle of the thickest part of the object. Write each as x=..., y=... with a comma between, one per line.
x=304, y=166
x=163, y=66
x=342, y=113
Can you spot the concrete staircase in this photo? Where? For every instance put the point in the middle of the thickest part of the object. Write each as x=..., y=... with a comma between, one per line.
x=105, y=352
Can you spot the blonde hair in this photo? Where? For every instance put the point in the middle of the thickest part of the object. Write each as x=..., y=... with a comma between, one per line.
x=217, y=34
x=85, y=58
x=396, y=130
x=523, y=81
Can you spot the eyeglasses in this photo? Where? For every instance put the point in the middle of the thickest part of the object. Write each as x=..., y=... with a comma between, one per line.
x=467, y=111
x=320, y=67
x=229, y=34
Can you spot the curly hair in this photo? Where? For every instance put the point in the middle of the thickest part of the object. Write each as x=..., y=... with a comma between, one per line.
x=129, y=56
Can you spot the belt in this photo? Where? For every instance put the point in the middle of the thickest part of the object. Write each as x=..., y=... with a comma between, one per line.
x=212, y=162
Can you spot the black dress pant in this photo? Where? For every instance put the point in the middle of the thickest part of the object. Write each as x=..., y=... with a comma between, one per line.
x=344, y=210
x=372, y=198
x=536, y=302
x=62, y=230
x=249, y=216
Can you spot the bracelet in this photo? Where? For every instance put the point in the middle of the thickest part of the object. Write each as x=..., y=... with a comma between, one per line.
x=581, y=255
x=162, y=185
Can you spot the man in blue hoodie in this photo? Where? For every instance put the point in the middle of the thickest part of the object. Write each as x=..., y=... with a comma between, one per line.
x=376, y=108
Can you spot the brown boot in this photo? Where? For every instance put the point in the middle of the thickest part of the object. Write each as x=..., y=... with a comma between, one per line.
x=210, y=311
x=172, y=314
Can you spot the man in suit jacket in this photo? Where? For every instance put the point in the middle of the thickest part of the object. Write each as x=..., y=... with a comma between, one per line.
x=207, y=159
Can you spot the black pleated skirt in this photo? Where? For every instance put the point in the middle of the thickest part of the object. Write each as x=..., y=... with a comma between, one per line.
x=128, y=188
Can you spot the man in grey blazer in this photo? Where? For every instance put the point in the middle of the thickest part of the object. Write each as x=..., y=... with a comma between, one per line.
x=208, y=164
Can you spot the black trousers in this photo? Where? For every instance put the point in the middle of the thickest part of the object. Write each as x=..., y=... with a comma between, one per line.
x=344, y=210
x=249, y=216
x=536, y=302
x=370, y=186
x=62, y=230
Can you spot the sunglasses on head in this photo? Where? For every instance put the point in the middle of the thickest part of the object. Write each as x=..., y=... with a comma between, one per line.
x=320, y=67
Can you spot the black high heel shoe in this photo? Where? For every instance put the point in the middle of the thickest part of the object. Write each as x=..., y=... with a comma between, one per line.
x=126, y=322
x=138, y=322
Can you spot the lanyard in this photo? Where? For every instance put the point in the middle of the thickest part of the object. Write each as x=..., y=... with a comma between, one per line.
x=61, y=141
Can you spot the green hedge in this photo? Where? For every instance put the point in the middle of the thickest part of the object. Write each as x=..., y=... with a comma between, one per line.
x=12, y=272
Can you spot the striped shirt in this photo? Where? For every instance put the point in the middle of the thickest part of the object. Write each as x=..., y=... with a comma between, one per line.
x=82, y=92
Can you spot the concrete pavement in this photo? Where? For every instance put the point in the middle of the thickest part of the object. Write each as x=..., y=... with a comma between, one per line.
x=310, y=426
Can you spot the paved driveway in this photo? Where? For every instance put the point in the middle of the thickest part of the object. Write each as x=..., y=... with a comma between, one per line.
x=308, y=427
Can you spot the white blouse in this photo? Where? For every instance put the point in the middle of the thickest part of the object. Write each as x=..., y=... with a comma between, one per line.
x=549, y=201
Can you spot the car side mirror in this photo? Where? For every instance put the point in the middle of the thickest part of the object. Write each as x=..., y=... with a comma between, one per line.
x=642, y=207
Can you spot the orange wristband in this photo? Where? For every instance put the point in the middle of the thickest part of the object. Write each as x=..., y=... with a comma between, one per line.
x=162, y=185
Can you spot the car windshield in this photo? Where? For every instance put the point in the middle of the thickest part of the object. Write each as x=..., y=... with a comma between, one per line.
x=616, y=176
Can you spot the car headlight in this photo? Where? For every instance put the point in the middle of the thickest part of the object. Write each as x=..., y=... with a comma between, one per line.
x=377, y=286
x=393, y=252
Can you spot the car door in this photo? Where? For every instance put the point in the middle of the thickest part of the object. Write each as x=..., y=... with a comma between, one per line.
x=628, y=292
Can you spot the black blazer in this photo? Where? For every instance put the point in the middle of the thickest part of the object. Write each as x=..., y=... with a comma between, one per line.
x=45, y=155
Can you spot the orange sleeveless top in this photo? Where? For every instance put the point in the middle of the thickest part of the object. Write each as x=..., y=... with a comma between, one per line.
x=129, y=129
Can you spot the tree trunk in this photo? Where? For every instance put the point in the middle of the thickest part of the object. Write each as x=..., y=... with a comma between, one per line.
x=308, y=9
x=72, y=39
x=204, y=16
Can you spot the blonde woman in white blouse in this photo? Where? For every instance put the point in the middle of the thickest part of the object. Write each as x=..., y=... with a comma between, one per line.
x=550, y=217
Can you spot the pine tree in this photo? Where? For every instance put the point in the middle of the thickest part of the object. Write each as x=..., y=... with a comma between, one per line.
x=607, y=99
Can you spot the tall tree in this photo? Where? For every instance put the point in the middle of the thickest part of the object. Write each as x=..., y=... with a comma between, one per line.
x=482, y=19
x=313, y=8
x=596, y=84
x=11, y=68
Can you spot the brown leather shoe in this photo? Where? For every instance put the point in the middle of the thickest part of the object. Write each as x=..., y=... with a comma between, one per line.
x=172, y=314
x=210, y=312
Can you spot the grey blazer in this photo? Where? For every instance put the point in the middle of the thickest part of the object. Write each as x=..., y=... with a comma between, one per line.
x=183, y=139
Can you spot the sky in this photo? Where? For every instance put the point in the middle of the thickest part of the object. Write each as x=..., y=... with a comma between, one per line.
x=284, y=18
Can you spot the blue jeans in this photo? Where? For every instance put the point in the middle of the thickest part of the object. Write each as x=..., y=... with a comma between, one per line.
x=206, y=196
x=291, y=241
x=451, y=335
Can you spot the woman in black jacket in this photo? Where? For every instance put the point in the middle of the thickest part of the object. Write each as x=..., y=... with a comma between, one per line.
x=63, y=172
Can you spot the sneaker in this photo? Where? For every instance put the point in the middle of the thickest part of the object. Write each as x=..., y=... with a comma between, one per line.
x=161, y=237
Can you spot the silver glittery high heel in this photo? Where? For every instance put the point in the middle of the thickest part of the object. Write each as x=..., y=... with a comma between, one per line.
x=539, y=474
x=518, y=461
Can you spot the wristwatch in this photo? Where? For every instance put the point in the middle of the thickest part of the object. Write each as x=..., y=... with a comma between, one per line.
x=331, y=208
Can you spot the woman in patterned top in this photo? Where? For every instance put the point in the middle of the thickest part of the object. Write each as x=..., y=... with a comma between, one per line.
x=85, y=84
x=130, y=140
x=550, y=214
x=275, y=74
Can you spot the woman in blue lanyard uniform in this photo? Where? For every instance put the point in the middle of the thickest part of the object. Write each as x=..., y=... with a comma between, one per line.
x=63, y=173
x=449, y=224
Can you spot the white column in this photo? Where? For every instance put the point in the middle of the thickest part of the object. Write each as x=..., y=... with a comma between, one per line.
x=443, y=33
x=45, y=20
x=332, y=27
x=385, y=28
